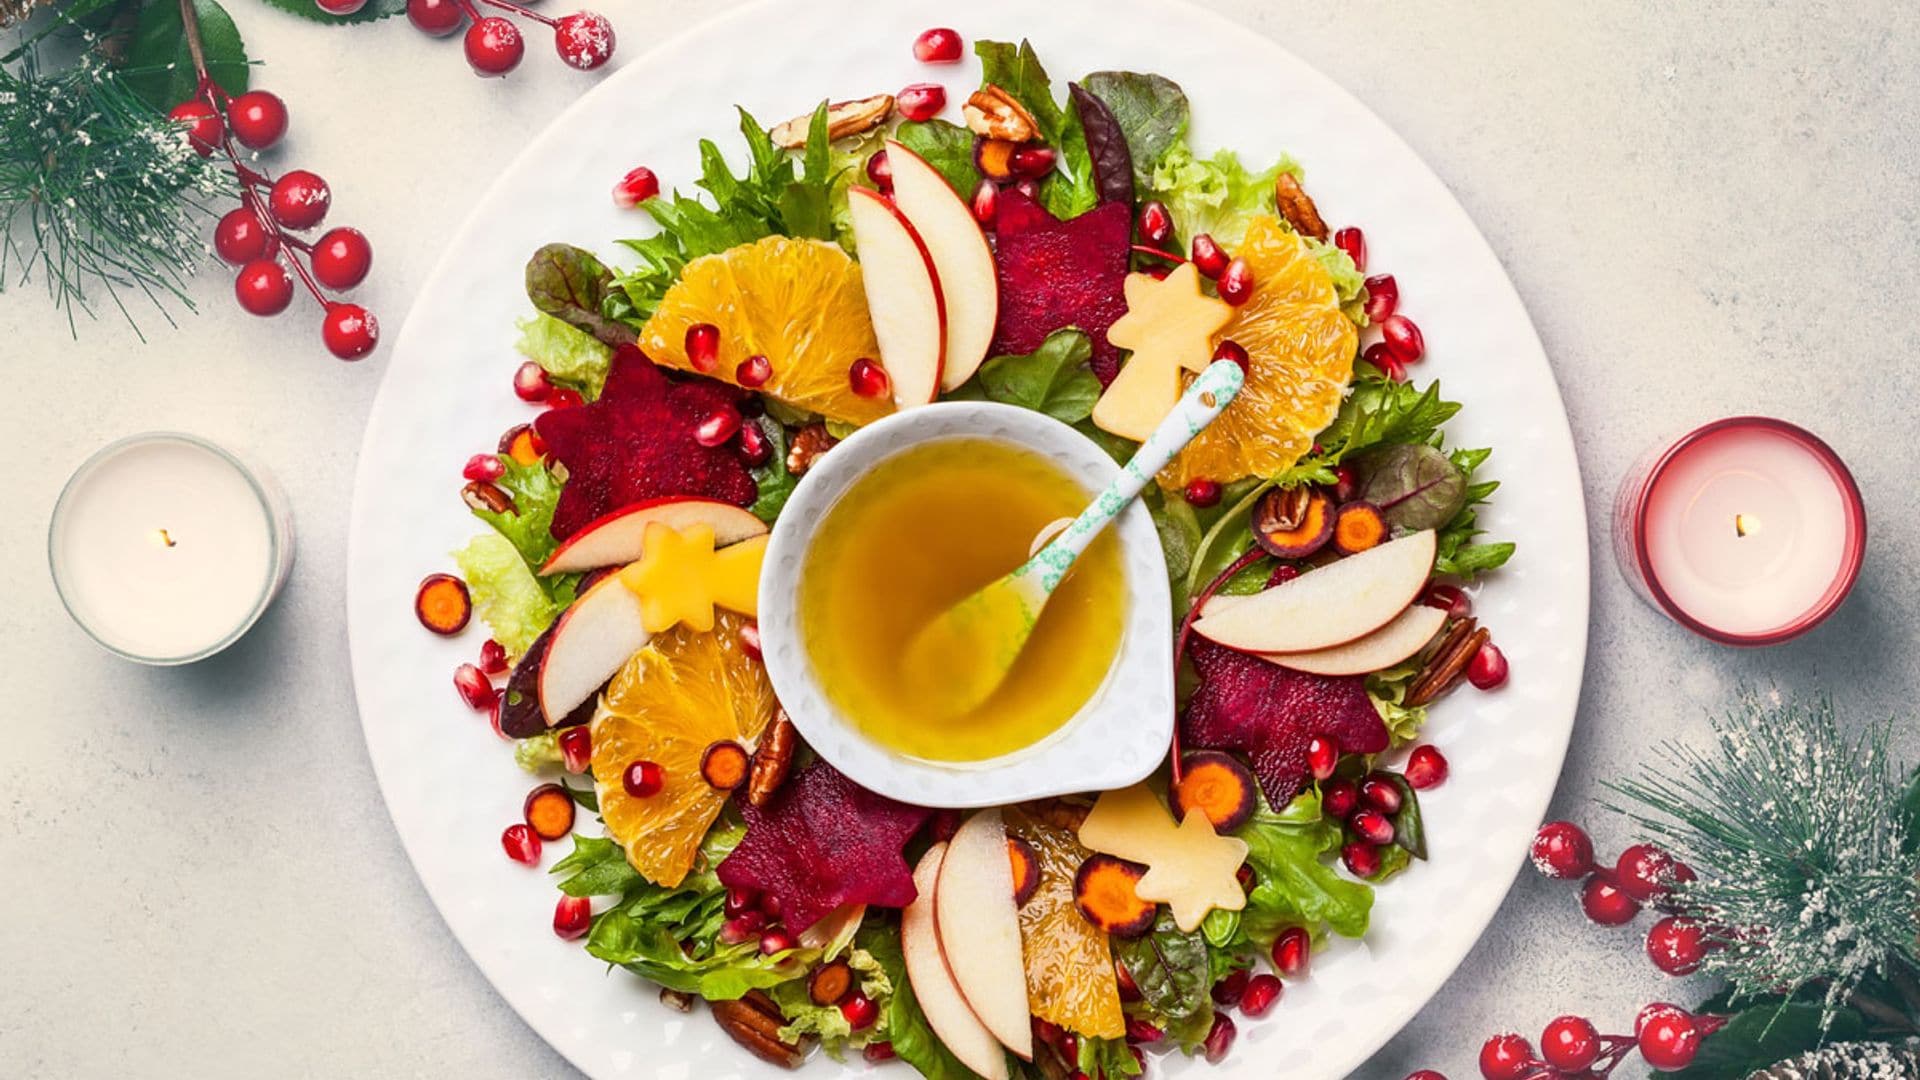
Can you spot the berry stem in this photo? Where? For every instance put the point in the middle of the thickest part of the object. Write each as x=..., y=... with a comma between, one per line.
x=507, y=5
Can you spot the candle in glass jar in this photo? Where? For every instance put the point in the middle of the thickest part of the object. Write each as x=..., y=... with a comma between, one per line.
x=167, y=548
x=1748, y=530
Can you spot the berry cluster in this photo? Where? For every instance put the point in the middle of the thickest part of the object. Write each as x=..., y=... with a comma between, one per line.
x=493, y=43
x=1666, y=1036
x=259, y=235
x=1644, y=874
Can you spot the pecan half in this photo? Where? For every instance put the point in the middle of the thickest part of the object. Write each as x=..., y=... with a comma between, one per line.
x=754, y=1022
x=772, y=759
x=995, y=114
x=844, y=118
x=1447, y=664
x=480, y=495
x=1297, y=207
x=808, y=444
x=677, y=1000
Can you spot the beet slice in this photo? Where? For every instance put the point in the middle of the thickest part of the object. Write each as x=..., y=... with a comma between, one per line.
x=520, y=715
x=1055, y=274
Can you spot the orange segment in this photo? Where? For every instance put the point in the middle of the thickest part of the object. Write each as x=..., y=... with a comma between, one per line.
x=1070, y=978
x=678, y=696
x=799, y=303
x=1300, y=350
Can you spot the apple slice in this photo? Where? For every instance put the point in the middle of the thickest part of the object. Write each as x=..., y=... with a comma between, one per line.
x=1326, y=607
x=903, y=298
x=615, y=539
x=962, y=261
x=1405, y=635
x=591, y=639
x=947, y=1012
x=980, y=930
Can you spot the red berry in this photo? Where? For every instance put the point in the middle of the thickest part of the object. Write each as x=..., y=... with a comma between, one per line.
x=777, y=941
x=299, y=200
x=643, y=779
x=1323, y=753
x=340, y=7
x=1362, y=858
x=1569, y=1043
x=1451, y=599
x=1028, y=187
x=1033, y=162
x=531, y=383
x=1236, y=282
x=1156, y=223
x=1383, y=295
x=1229, y=349
x=880, y=172
x=742, y=927
x=1645, y=872
x=1203, y=492
x=1263, y=992
x=986, y=200
x=258, y=119
x=1425, y=1074
x=1292, y=951
x=493, y=655
x=263, y=287
x=576, y=748
x=494, y=46
x=242, y=237
x=1488, y=668
x=937, y=46
x=435, y=18
x=521, y=844
x=1669, y=1039
x=921, y=101
x=1677, y=945
x=1371, y=826
x=205, y=130
x=1339, y=799
x=1426, y=768
x=755, y=448
x=1346, y=483
x=1380, y=792
x=859, y=1010
x=572, y=917
x=770, y=906
x=868, y=379
x=1561, y=850
x=753, y=372
x=1654, y=1011
x=1398, y=333
x=341, y=258
x=877, y=1052
x=702, y=344
x=1605, y=902
x=1129, y=990
x=1207, y=256
x=1354, y=242
x=474, y=686
x=637, y=187
x=349, y=330
x=1219, y=1039
x=1506, y=1057
x=485, y=469
x=719, y=426
x=584, y=39
x=1140, y=1031
x=750, y=633
x=564, y=397
x=739, y=900
x=1231, y=987
x=1382, y=357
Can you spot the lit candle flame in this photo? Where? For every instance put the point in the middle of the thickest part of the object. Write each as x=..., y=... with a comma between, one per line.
x=164, y=538
x=1745, y=525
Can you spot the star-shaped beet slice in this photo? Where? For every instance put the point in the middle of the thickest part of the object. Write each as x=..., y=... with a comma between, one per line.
x=1055, y=274
x=823, y=842
x=1270, y=713
x=636, y=442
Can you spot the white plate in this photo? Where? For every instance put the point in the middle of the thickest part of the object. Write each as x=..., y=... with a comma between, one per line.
x=451, y=787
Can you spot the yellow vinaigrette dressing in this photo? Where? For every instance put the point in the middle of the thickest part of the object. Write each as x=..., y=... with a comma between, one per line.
x=922, y=531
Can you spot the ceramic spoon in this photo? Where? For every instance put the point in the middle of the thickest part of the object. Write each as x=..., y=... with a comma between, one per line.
x=969, y=648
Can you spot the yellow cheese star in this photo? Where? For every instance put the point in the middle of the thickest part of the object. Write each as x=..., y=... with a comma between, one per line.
x=1169, y=325
x=1189, y=868
x=679, y=577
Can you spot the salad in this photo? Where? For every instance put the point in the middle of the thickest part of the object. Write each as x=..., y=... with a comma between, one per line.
x=1060, y=248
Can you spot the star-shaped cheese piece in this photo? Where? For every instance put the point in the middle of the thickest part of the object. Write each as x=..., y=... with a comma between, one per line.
x=1169, y=325
x=1189, y=868
x=679, y=577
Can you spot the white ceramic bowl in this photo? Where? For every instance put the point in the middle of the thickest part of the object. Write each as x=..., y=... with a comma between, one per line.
x=1118, y=737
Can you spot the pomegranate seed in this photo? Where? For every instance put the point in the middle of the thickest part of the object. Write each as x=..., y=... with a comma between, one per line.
x=1372, y=826
x=777, y=941
x=1569, y=1043
x=877, y=1052
x=742, y=927
x=531, y=383
x=475, y=688
x=859, y=1010
x=1346, y=483
x=1605, y=902
x=1670, y=1040
x=986, y=200
x=1362, y=859
x=1129, y=990
x=1383, y=295
x=1292, y=952
x=770, y=906
x=753, y=372
x=1354, y=242
x=576, y=748
x=868, y=379
x=1158, y=273
x=1033, y=162
x=1426, y=768
x=493, y=719
x=880, y=172
x=572, y=917
x=1202, y=492
x=1383, y=359
x=755, y=448
x=349, y=331
x=921, y=101
x=750, y=640
x=937, y=46
x=521, y=844
x=1139, y=1030
x=1207, y=256
x=1156, y=223
x=739, y=901
x=1488, y=668
x=564, y=397
x=1236, y=282
x=1677, y=945
x=716, y=429
x=1230, y=988
x=1323, y=753
x=1401, y=335
x=1379, y=791
x=1028, y=187
x=1339, y=799
x=635, y=188
x=1263, y=992
x=1219, y=1039
x=1506, y=1057
x=1645, y=872
x=703, y=346
x=485, y=468
x=201, y=121
x=643, y=779
x=1230, y=349
x=493, y=655
x=1451, y=599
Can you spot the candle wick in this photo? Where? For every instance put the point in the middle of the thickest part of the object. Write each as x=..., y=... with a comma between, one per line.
x=1745, y=525
x=166, y=538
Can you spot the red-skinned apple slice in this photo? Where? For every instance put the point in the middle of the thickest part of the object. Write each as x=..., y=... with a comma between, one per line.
x=1322, y=608
x=591, y=639
x=947, y=1011
x=1406, y=634
x=903, y=298
x=615, y=539
x=979, y=929
x=962, y=261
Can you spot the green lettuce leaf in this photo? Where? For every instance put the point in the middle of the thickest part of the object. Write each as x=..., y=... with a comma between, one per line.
x=1216, y=195
x=538, y=752
x=1460, y=555
x=1068, y=190
x=529, y=525
x=1109, y=1059
x=827, y=1022
x=1172, y=969
x=1293, y=886
x=1388, y=689
x=1348, y=281
x=1053, y=379
x=947, y=147
x=775, y=479
x=506, y=595
x=568, y=355
x=1152, y=112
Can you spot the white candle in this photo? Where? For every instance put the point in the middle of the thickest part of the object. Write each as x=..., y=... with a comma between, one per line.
x=1748, y=530
x=167, y=548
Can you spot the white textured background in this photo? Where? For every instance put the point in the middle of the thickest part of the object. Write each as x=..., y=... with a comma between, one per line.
x=1707, y=211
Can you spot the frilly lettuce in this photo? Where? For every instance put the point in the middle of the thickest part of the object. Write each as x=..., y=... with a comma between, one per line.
x=505, y=593
x=1293, y=886
x=568, y=355
x=1215, y=195
x=1388, y=689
